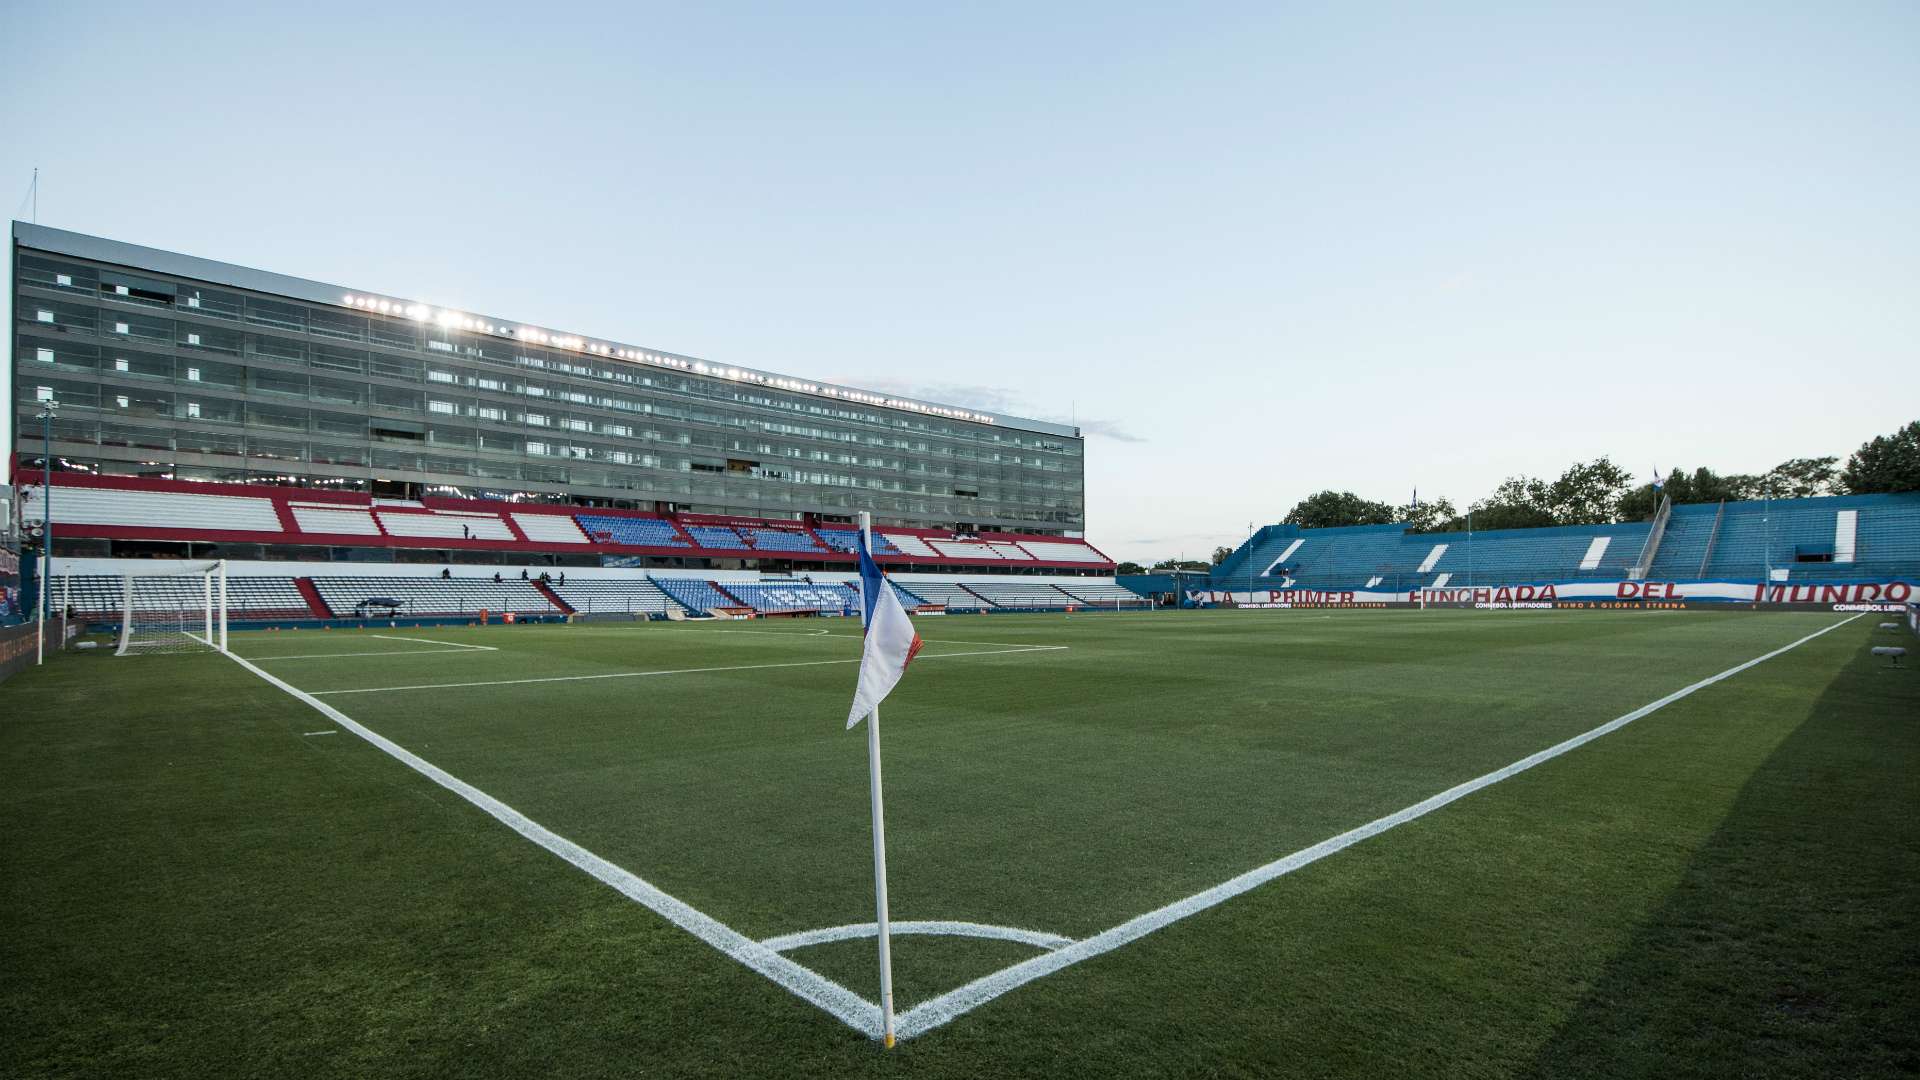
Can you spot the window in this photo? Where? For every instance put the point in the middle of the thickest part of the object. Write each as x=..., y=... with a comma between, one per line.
x=193, y=374
x=43, y=315
x=193, y=339
x=119, y=328
x=45, y=356
x=441, y=407
x=63, y=279
x=119, y=364
x=43, y=393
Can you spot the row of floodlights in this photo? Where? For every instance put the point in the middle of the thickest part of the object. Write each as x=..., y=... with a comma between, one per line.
x=455, y=320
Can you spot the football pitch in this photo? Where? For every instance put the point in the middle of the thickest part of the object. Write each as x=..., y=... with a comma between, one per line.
x=1349, y=843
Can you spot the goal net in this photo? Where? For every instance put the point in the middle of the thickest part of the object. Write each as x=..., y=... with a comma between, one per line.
x=174, y=610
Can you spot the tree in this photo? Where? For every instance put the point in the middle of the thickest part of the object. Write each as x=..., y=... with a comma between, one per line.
x=1801, y=478
x=1129, y=568
x=1885, y=463
x=1330, y=509
x=1588, y=493
x=1430, y=516
x=1520, y=502
x=1181, y=564
x=1220, y=555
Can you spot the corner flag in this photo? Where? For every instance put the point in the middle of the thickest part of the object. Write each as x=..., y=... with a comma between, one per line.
x=891, y=643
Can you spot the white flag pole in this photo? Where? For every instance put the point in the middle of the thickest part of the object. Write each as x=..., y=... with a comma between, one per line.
x=879, y=838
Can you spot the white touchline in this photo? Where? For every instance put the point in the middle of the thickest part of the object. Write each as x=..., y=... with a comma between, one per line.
x=679, y=671
x=320, y=733
x=837, y=1001
x=1039, y=939
x=936, y=1011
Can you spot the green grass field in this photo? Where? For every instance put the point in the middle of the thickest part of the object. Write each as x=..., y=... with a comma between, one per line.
x=205, y=875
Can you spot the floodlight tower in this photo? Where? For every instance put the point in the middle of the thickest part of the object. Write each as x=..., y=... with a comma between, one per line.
x=46, y=525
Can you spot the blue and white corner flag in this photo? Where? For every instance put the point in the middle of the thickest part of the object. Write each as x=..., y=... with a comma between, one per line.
x=891, y=641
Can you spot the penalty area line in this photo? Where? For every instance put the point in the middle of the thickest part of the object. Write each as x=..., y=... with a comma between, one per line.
x=837, y=1001
x=939, y=1010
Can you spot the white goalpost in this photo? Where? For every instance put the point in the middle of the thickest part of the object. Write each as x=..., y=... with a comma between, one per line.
x=175, y=610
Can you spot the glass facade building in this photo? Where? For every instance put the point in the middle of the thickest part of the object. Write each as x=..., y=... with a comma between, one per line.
x=168, y=365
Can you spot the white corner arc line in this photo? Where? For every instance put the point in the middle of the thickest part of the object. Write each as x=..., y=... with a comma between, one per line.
x=678, y=671
x=837, y=1001
x=1039, y=939
x=936, y=1011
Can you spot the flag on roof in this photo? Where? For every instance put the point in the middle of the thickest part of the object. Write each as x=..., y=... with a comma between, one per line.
x=1659, y=481
x=891, y=642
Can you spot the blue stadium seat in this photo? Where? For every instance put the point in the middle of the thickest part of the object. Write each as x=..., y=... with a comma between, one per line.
x=693, y=593
x=716, y=536
x=797, y=596
x=782, y=540
x=638, y=532
x=842, y=540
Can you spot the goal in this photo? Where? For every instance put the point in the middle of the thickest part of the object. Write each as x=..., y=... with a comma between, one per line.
x=175, y=610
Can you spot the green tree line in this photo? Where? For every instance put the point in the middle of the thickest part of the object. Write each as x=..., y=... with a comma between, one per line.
x=1599, y=492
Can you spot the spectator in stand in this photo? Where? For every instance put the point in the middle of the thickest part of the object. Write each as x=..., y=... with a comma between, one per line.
x=563, y=577
x=446, y=573
x=496, y=577
x=523, y=573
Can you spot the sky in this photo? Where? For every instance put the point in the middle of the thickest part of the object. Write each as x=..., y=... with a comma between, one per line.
x=1254, y=251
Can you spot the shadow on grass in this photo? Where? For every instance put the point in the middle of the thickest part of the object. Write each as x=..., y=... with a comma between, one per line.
x=1792, y=945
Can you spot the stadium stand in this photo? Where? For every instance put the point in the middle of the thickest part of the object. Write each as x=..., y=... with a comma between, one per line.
x=1826, y=538
x=631, y=531
x=909, y=544
x=550, y=528
x=444, y=525
x=952, y=596
x=694, y=594
x=716, y=537
x=435, y=596
x=1020, y=595
x=153, y=509
x=1072, y=551
x=1820, y=538
x=964, y=550
x=781, y=540
x=796, y=596
x=1101, y=593
x=594, y=596
x=142, y=508
x=339, y=520
x=842, y=540
x=99, y=596
x=1522, y=555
